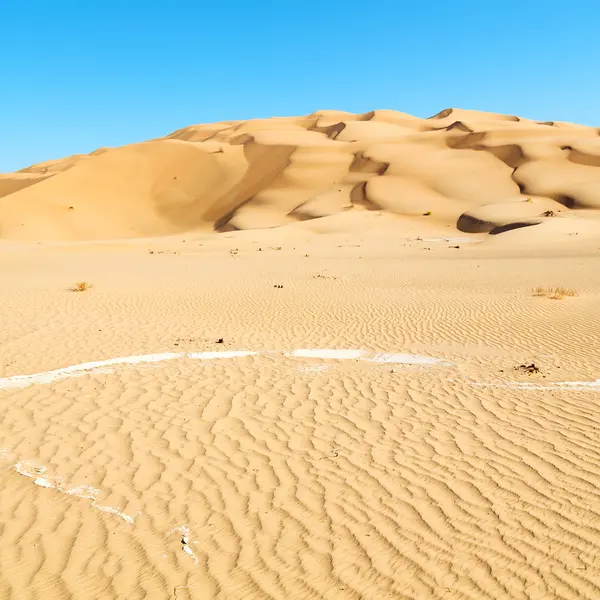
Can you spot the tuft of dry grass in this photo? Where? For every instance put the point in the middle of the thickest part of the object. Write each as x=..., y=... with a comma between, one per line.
x=556, y=293
x=80, y=286
x=560, y=292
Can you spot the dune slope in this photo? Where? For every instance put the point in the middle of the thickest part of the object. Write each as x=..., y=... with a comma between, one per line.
x=464, y=170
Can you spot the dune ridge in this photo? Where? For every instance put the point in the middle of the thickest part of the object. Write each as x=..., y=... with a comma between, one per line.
x=466, y=170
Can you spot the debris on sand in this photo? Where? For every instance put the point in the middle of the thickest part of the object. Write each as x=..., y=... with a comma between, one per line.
x=530, y=369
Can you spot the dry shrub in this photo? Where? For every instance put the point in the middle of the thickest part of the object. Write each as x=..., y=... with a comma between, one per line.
x=80, y=286
x=554, y=293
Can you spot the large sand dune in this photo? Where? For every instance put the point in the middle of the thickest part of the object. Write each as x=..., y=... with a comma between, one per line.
x=331, y=398
x=467, y=170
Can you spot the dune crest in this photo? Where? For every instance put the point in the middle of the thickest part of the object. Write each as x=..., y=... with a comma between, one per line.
x=266, y=173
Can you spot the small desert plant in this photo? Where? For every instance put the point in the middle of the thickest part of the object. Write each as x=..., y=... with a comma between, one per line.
x=560, y=292
x=80, y=286
x=426, y=214
x=556, y=293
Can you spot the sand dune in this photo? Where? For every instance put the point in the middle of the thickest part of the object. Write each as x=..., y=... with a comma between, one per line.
x=273, y=172
x=351, y=392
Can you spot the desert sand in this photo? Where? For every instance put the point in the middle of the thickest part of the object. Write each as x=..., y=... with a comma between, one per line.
x=304, y=365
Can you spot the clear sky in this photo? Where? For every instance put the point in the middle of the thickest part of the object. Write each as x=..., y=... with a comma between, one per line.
x=75, y=76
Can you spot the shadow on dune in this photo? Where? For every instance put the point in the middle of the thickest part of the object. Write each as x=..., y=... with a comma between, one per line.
x=511, y=226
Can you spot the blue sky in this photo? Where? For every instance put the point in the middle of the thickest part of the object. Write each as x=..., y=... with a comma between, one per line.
x=79, y=75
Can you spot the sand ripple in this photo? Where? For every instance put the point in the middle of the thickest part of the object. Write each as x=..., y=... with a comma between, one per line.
x=360, y=481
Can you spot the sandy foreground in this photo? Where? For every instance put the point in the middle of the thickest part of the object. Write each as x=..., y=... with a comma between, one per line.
x=330, y=408
x=298, y=475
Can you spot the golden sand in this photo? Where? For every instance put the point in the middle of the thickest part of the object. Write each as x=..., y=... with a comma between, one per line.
x=332, y=397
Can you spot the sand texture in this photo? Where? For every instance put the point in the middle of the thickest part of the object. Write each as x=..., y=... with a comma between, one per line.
x=476, y=171
x=332, y=398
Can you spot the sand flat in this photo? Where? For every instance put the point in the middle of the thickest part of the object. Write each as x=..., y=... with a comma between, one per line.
x=313, y=467
x=332, y=408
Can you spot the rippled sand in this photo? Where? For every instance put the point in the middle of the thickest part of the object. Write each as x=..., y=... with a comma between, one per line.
x=360, y=432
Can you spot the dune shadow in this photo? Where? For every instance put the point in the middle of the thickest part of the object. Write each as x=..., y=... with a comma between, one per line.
x=511, y=226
